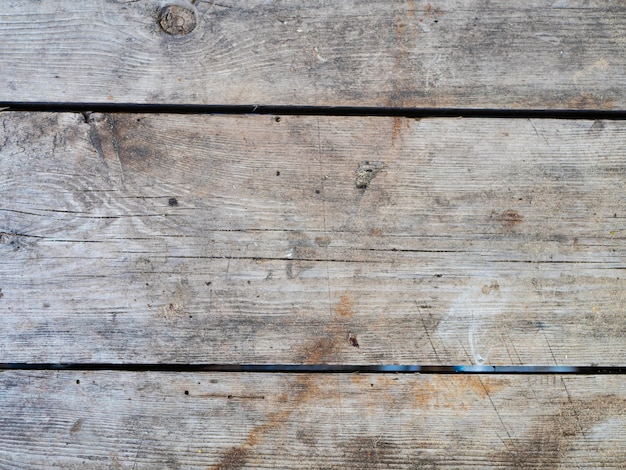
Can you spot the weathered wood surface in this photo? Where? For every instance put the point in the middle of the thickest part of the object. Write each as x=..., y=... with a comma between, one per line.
x=478, y=54
x=228, y=421
x=166, y=238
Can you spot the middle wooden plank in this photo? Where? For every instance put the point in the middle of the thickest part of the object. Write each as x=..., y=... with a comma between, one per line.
x=267, y=239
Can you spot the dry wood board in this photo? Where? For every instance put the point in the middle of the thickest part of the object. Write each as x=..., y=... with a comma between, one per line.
x=356, y=421
x=267, y=239
x=473, y=54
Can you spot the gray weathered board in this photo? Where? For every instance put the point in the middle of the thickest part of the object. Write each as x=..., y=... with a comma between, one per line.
x=178, y=239
x=245, y=239
x=565, y=54
x=109, y=420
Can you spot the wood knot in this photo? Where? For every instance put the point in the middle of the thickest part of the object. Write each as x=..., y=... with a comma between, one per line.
x=366, y=172
x=178, y=19
x=510, y=218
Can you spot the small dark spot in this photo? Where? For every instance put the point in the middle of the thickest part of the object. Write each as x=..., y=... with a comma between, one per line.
x=138, y=119
x=213, y=381
x=249, y=282
x=371, y=385
x=230, y=397
x=208, y=283
x=614, y=216
x=190, y=316
x=186, y=392
x=353, y=340
x=438, y=275
x=1, y=294
x=277, y=119
x=317, y=191
x=46, y=305
x=172, y=202
x=77, y=382
x=277, y=173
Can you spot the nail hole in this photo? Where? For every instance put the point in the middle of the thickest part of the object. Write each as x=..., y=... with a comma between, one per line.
x=77, y=382
x=277, y=119
x=186, y=392
x=173, y=202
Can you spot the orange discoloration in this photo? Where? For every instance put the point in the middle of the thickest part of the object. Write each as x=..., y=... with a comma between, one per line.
x=589, y=101
x=303, y=390
x=486, y=386
x=344, y=307
x=431, y=11
x=410, y=8
x=395, y=130
x=459, y=393
x=319, y=350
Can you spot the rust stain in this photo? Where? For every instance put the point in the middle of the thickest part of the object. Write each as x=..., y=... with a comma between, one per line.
x=410, y=7
x=588, y=101
x=432, y=12
x=319, y=350
x=344, y=307
x=457, y=393
x=510, y=218
x=304, y=389
x=484, y=387
x=396, y=128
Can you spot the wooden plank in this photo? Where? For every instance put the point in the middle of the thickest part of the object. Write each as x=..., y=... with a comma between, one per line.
x=414, y=53
x=168, y=238
x=227, y=421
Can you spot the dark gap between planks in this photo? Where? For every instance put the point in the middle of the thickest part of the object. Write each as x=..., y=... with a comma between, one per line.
x=322, y=368
x=315, y=110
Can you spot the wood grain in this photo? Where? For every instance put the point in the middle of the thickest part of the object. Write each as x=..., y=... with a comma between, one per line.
x=168, y=238
x=228, y=421
x=413, y=53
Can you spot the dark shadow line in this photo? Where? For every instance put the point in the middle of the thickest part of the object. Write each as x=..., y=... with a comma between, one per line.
x=321, y=368
x=314, y=110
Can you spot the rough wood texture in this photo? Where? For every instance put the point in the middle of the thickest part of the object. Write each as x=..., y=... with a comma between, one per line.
x=164, y=238
x=230, y=421
x=476, y=54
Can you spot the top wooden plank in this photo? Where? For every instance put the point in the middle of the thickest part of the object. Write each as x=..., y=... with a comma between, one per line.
x=474, y=54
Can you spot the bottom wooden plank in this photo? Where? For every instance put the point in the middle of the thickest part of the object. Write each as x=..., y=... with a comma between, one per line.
x=225, y=421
